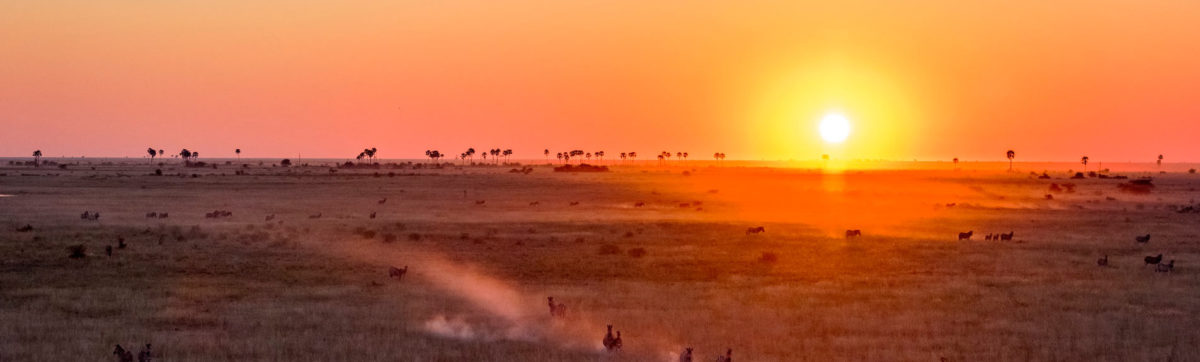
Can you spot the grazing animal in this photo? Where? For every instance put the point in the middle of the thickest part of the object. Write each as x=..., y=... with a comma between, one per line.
x=574, y=203
x=556, y=310
x=144, y=355
x=535, y=203
x=1008, y=236
x=372, y=214
x=639, y=204
x=121, y=243
x=122, y=354
x=151, y=215
x=25, y=229
x=728, y=357
x=383, y=200
x=315, y=216
x=1153, y=260
x=397, y=273
x=850, y=234
x=608, y=338
x=1143, y=239
x=1102, y=261
x=755, y=230
x=686, y=356
x=162, y=215
x=480, y=202
x=1165, y=268
x=90, y=216
x=617, y=342
x=270, y=217
x=966, y=235
x=987, y=237
x=108, y=250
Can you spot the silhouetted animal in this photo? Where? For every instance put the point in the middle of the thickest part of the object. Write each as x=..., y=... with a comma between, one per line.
x=639, y=204
x=728, y=357
x=617, y=343
x=122, y=354
x=556, y=310
x=108, y=250
x=372, y=214
x=144, y=355
x=987, y=237
x=270, y=217
x=25, y=229
x=480, y=202
x=394, y=272
x=850, y=234
x=1153, y=260
x=1008, y=236
x=1143, y=239
x=608, y=338
x=966, y=235
x=151, y=215
x=162, y=215
x=383, y=200
x=121, y=243
x=1165, y=268
x=90, y=216
x=574, y=203
x=686, y=356
x=315, y=216
x=755, y=230
x=535, y=203
x=1102, y=261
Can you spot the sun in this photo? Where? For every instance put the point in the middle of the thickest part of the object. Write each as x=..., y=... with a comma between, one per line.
x=835, y=128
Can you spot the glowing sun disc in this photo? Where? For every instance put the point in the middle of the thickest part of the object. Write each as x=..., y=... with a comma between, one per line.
x=834, y=128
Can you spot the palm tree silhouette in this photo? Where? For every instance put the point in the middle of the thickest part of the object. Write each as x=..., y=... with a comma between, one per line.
x=600, y=155
x=185, y=154
x=956, y=163
x=546, y=153
x=624, y=155
x=239, y=153
x=506, y=153
x=559, y=156
x=152, y=153
x=633, y=156
x=1160, y=157
x=1084, y=161
x=161, y=152
x=685, y=154
x=37, y=158
x=1011, y=155
x=362, y=155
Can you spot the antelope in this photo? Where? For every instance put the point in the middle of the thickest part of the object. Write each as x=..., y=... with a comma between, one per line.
x=850, y=234
x=608, y=338
x=617, y=343
x=966, y=235
x=480, y=202
x=383, y=200
x=1102, y=261
x=1165, y=268
x=270, y=217
x=162, y=215
x=755, y=230
x=1153, y=260
x=397, y=273
x=686, y=356
x=121, y=243
x=1008, y=236
x=1143, y=239
x=574, y=203
x=122, y=354
x=535, y=203
x=372, y=214
x=987, y=237
x=144, y=355
x=151, y=215
x=315, y=216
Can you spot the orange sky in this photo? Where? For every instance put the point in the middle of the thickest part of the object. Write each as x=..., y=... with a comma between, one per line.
x=1116, y=80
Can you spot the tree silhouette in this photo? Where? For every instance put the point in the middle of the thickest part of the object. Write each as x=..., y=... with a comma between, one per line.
x=285, y=163
x=37, y=158
x=559, y=156
x=185, y=154
x=506, y=153
x=495, y=155
x=433, y=155
x=685, y=154
x=1160, y=157
x=546, y=153
x=1084, y=161
x=152, y=153
x=600, y=155
x=161, y=152
x=633, y=156
x=369, y=153
x=1011, y=155
x=362, y=155
x=956, y=163
x=239, y=153
x=624, y=155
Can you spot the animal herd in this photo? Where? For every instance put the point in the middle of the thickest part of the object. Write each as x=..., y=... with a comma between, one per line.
x=124, y=355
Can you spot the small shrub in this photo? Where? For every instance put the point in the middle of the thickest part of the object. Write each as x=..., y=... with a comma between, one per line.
x=369, y=234
x=637, y=252
x=1192, y=171
x=388, y=238
x=609, y=249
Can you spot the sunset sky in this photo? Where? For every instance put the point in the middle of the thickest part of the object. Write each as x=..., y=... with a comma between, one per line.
x=1054, y=80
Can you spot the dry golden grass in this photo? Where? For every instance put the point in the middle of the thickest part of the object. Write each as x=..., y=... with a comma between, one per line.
x=296, y=288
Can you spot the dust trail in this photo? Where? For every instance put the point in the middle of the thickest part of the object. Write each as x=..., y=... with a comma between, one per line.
x=502, y=311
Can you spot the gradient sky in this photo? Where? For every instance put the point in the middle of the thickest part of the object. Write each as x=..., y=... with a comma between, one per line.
x=1054, y=80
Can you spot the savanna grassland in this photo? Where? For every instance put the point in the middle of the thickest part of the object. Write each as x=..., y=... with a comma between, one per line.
x=484, y=247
